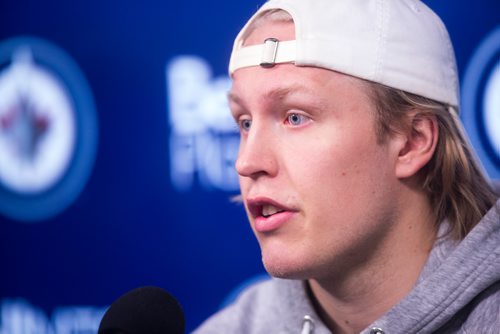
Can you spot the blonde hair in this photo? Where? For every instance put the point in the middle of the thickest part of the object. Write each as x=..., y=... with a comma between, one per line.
x=453, y=180
x=456, y=187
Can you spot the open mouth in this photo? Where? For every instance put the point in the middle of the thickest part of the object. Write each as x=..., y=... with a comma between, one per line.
x=268, y=215
x=268, y=210
x=265, y=208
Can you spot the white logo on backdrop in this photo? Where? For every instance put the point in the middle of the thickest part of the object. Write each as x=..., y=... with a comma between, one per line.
x=492, y=107
x=37, y=126
x=203, y=136
x=20, y=317
x=48, y=129
x=481, y=102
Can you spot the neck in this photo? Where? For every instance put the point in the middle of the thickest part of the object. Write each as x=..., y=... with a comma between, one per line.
x=349, y=302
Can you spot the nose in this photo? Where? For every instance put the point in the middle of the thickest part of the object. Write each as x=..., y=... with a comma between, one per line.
x=257, y=155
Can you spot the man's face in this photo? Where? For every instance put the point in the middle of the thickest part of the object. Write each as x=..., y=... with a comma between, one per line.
x=315, y=183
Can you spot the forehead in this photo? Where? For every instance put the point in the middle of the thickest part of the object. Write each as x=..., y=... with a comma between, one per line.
x=285, y=79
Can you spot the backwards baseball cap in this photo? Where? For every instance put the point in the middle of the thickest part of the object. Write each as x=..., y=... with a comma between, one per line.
x=402, y=44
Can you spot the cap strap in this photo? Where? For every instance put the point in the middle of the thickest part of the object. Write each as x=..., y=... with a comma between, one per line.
x=271, y=52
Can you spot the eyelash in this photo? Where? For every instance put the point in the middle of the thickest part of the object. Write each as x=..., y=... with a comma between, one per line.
x=244, y=124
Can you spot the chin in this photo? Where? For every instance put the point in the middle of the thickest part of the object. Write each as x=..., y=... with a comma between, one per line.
x=283, y=267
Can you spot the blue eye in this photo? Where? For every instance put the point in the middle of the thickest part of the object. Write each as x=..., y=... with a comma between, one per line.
x=296, y=119
x=245, y=124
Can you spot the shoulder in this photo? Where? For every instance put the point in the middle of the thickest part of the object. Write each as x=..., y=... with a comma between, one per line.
x=485, y=311
x=260, y=307
x=482, y=315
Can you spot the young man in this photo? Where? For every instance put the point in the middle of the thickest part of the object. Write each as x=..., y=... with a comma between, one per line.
x=366, y=200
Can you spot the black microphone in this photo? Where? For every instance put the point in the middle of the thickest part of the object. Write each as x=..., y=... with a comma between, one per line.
x=145, y=310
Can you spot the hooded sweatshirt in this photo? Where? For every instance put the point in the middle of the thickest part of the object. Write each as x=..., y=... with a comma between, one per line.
x=458, y=291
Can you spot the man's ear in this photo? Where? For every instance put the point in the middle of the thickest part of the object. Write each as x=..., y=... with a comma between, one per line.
x=419, y=146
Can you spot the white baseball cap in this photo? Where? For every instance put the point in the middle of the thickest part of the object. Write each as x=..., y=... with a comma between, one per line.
x=402, y=44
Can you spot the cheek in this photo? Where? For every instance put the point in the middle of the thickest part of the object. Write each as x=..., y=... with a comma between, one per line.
x=345, y=170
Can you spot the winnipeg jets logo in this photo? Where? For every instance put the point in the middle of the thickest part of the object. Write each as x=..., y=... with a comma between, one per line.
x=47, y=129
x=22, y=124
x=36, y=126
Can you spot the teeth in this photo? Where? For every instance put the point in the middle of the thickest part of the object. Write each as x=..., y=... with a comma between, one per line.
x=269, y=210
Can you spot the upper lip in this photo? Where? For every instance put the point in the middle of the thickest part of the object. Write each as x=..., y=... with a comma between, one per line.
x=255, y=205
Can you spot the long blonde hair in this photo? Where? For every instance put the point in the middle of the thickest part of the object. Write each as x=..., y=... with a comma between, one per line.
x=453, y=180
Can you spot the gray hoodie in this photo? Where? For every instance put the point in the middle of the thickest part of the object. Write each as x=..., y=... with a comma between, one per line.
x=458, y=291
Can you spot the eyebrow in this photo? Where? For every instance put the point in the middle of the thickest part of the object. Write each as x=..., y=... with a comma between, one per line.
x=231, y=96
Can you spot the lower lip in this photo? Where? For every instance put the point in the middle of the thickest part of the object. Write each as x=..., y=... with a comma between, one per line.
x=273, y=222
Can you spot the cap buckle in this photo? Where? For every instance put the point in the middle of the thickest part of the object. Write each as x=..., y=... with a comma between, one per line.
x=269, y=52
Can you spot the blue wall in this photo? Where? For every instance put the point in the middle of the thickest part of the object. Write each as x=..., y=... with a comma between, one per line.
x=154, y=205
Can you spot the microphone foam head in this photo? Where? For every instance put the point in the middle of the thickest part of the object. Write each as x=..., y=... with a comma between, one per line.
x=143, y=310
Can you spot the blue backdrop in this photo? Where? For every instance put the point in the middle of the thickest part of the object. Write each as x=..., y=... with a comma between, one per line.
x=143, y=195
